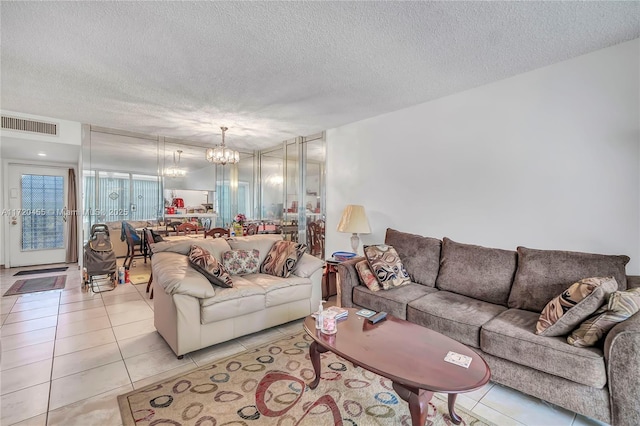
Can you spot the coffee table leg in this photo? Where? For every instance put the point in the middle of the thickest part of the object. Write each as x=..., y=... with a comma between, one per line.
x=314, y=354
x=452, y=402
x=418, y=400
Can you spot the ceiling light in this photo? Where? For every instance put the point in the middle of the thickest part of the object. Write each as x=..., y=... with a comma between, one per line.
x=220, y=154
x=175, y=171
x=42, y=154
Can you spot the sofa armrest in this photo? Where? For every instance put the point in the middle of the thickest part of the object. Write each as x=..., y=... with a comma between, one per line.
x=307, y=265
x=348, y=279
x=633, y=281
x=621, y=349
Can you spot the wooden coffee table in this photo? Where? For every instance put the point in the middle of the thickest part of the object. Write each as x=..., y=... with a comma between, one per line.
x=409, y=355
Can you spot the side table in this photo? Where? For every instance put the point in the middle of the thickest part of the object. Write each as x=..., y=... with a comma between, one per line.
x=330, y=284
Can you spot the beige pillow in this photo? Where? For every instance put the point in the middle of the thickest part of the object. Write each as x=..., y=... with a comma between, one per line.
x=366, y=276
x=386, y=266
x=564, y=312
x=622, y=305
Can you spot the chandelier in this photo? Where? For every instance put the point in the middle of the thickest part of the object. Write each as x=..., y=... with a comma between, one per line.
x=175, y=171
x=220, y=154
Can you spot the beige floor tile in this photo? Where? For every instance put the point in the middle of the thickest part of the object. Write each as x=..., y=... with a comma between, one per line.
x=156, y=362
x=80, y=306
x=7, y=302
x=32, y=314
x=136, y=328
x=141, y=344
x=131, y=316
x=40, y=420
x=26, y=326
x=122, y=289
x=290, y=327
x=135, y=305
x=35, y=304
x=25, y=376
x=43, y=295
x=87, y=384
x=477, y=395
x=495, y=416
x=72, y=297
x=80, y=327
x=524, y=408
x=120, y=298
x=99, y=410
x=85, y=315
x=183, y=369
x=221, y=350
x=16, y=341
x=76, y=362
x=27, y=355
x=462, y=400
x=24, y=404
x=80, y=342
x=581, y=420
x=260, y=338
x=3, y=317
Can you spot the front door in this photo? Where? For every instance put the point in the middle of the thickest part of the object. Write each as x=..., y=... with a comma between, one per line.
x=37, y=203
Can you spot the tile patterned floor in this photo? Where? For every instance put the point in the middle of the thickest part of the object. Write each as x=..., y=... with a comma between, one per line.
x=67, y=354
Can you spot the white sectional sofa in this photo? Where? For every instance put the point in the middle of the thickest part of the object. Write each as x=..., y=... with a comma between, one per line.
x=190, y=313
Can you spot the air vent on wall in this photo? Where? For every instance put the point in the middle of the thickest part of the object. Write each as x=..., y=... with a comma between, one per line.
x=32, y=126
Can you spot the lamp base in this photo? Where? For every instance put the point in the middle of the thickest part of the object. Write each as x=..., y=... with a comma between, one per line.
x=355, y=242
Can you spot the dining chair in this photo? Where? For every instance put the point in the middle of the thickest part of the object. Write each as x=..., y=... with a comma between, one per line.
x=149, y=240
x=187, y=228
x=216, y=233
x=252, y=229
x=133, y=242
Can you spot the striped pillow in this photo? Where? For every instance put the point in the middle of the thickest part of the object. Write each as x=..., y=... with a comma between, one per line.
x=622, y=305
x=202, y=261
x=564, y=312
x=282, y=258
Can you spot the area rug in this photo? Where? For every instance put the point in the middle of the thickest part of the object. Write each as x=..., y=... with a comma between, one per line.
x=139, y=279
x=33, y=285
x=266, y=386
x=41, y=271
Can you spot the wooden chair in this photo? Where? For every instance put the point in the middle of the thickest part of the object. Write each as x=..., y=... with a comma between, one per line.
x=252, y=229
x=132, y=245
x=148, y=236
x=216, y=233
x=187, y=228
x=315, y=238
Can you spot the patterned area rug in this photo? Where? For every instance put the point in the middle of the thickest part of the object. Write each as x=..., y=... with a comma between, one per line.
x=34, y=285
x=266, y=386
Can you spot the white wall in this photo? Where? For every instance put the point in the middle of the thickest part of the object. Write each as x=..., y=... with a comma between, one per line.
x=547, y=159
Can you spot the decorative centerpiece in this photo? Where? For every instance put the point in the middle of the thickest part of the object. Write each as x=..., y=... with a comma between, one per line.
x=238, y=223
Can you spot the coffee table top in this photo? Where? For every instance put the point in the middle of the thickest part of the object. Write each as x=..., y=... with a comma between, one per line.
x=404, y=352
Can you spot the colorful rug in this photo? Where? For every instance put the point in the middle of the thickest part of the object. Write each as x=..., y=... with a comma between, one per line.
x=267, y=386
x=41, y=271
x=33, y=285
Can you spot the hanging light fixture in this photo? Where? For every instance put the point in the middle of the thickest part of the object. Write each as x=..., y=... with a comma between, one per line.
x=220, y=154
x=175, y=171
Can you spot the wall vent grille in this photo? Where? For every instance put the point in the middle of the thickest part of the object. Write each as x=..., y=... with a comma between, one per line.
x=31, y=126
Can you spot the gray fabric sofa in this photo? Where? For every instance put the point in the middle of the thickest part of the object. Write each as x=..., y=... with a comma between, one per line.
x=490, y=300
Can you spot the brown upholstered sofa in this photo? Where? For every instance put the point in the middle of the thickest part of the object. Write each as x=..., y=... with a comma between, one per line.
x=490, y=299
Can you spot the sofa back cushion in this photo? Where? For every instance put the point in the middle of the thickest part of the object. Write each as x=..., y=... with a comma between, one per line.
x=215, y=246
x=474, y=271
x=543, y=274
x=260, y=242
x=419, y=255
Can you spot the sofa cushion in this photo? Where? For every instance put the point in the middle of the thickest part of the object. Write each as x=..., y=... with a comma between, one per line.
x=282, y=258
x=393, y=301
x=182, y=245
x=475, y=271
x=420, y=255
x=565, y=311
x=622, y=305
x=543, y=274
x=366, y=276
x=279, y=290
x=243, y=298
x=260, y=242
x=454, y=315
x=510, y=336
x=172, y=272
x=207, y=265
x=307, y=265
x=240, y=262
x=386, y=265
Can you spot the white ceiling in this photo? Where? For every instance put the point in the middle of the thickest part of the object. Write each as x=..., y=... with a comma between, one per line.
x=271, y=71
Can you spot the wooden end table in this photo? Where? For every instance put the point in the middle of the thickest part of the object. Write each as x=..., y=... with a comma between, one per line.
x=409, y=355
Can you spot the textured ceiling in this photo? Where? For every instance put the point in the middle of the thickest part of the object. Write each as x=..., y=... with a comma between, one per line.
x=271, y=71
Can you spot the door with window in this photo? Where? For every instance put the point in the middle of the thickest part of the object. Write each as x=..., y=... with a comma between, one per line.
x=37, y=206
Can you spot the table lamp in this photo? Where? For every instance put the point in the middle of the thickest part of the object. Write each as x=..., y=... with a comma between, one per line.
x=354, y=220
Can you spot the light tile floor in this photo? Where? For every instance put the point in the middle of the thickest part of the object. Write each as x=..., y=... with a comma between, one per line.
x=67, y=354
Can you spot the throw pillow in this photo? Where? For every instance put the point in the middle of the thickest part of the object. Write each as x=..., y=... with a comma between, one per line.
x=239, y=262
x=386, y=266
x=564, y=312
x=366, y=276
x=207, y=265
x=282, y=258
x=622, y=305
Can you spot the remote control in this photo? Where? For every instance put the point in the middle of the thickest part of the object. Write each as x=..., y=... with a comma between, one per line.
x=377, y=317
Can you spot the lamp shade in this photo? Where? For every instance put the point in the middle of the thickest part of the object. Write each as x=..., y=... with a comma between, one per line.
x=354, y=220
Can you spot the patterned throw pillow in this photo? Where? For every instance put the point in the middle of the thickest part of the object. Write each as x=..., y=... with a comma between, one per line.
x=207, y=265
x=386, y=266
x=282, y=258
x=564, y=312
x=622, y=305
x=240, y=262
x=366, y=276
